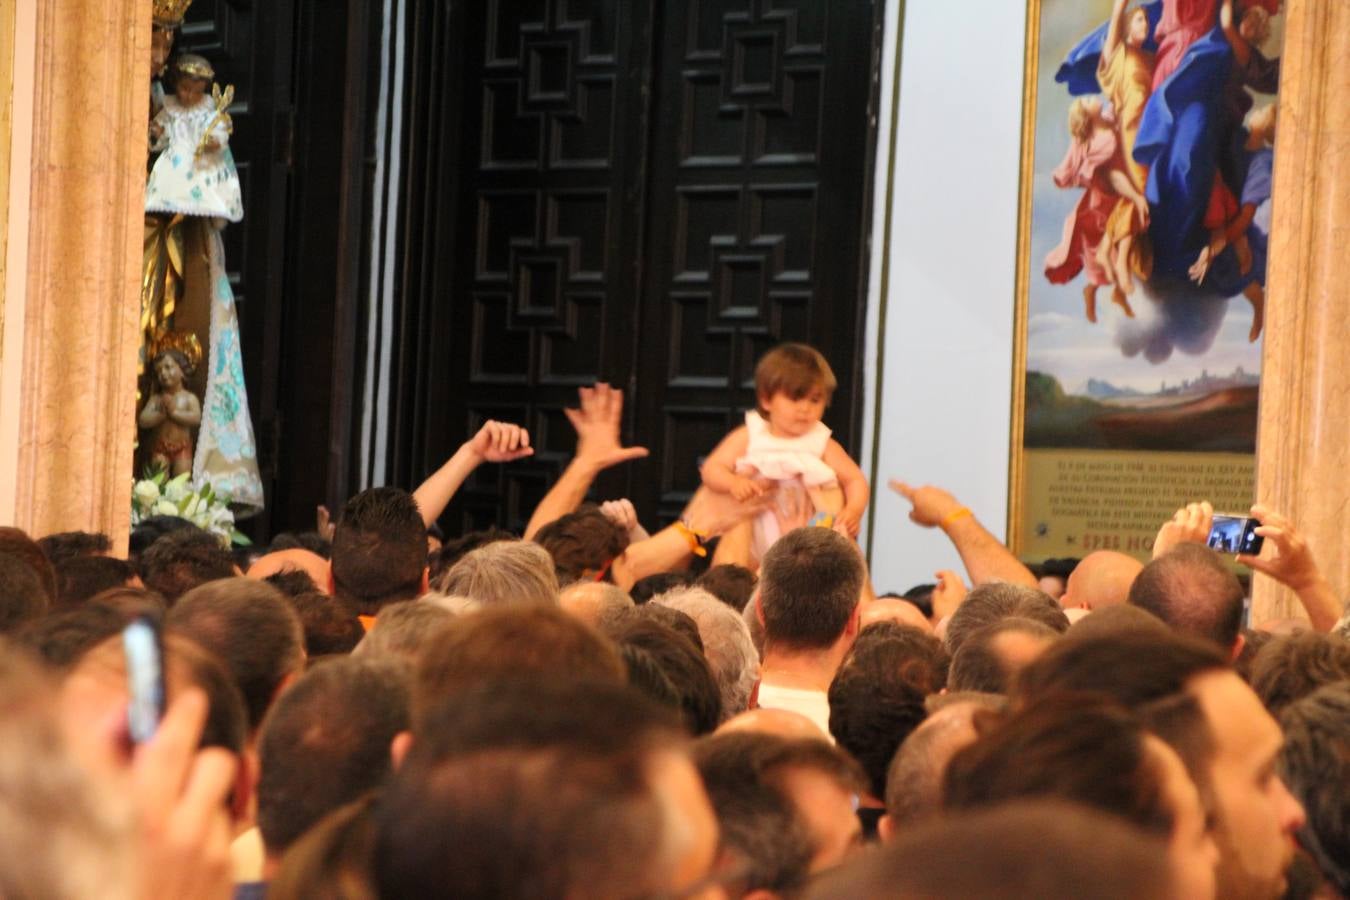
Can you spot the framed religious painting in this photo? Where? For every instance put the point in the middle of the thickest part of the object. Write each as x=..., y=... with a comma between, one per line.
x=1147, y=160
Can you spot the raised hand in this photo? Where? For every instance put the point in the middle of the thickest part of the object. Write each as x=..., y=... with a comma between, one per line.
x=500, y=442
x=1189, y=525
x=597, y=422
x=932, y=505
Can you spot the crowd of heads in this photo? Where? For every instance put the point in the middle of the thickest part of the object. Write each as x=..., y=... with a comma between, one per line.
x=497, y=717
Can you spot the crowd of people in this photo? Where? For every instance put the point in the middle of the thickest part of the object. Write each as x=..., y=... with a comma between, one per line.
x=596, y=710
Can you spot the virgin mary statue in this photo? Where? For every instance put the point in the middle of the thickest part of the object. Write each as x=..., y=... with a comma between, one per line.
x=191, y=194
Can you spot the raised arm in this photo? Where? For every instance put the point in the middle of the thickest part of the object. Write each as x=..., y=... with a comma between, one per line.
x=708, y=515
x=496, y=442
x=598, y=447
x=1114, y=28
x=1242, y=51
x=1292, y=564
x=985, y=557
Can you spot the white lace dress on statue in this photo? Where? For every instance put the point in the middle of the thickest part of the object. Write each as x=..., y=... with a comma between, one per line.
x=183, y=181
x=797, y=464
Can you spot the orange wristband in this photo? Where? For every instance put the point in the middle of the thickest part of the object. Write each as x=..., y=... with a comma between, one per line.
x=955, y=515
x=696, y=539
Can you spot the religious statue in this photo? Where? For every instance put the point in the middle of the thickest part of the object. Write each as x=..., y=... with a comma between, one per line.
x=191, y=194
x=173, y=411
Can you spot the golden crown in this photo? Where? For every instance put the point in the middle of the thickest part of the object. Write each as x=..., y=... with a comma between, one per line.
x=169, y=13
x=185, y=342
x=194, y=66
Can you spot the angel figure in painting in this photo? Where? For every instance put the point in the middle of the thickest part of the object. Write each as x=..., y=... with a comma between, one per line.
x=1125, y=73
x=173, y=411
x=192, y=192
x=1094, y=162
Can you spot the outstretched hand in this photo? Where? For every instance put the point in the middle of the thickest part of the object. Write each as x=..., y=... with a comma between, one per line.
x=597, y=423
x=932, y=505
x=500, y=442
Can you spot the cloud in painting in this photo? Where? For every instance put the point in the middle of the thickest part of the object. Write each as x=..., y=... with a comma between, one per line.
x=1048, y=322
x=1170, y=316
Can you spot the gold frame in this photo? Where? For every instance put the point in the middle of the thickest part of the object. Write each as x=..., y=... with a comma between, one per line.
x=1016, y=468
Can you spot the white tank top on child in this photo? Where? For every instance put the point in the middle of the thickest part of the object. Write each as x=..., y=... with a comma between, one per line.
x=786, y=458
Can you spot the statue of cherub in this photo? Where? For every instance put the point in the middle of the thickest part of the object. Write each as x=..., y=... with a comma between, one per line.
x=174, y=411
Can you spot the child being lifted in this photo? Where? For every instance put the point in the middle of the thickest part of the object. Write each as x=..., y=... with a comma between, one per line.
x=783, y=445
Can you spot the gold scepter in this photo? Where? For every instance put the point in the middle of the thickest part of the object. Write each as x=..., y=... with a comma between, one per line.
x=222, y=101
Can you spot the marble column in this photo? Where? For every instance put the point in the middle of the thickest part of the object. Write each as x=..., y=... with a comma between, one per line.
x=1303, y=443
x=77, y=402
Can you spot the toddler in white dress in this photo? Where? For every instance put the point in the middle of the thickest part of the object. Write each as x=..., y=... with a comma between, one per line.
x=785, y=446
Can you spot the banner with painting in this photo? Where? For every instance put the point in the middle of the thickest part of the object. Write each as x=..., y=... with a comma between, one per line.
x=1148, y=138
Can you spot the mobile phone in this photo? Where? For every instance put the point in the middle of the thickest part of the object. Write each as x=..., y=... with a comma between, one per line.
x=145, y=678
x=1235, y=534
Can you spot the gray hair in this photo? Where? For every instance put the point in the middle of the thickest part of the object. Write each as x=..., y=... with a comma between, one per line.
x=1315, y=762
x=597, y=603
x=504, y=573
x=402, y=629
x=726, y=643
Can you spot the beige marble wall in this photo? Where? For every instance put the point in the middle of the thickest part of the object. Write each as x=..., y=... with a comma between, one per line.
x=1303, y=443
x=84, y=247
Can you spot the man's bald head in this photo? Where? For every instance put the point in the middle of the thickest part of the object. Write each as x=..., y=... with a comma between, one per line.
x=1193, y=591
x=780, y=722
x=295, y=559
x=1101, y=579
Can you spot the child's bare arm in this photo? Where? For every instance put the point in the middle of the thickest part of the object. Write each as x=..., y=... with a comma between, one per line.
x=852, y=482
x=719, y=469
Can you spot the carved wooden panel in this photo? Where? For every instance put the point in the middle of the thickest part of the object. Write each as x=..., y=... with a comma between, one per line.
x=650, y=193
x=756, y=216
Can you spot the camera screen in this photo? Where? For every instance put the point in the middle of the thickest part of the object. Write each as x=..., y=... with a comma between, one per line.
x=1234, y=534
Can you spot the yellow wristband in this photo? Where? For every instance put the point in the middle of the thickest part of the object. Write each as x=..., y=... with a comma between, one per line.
x=955, y=515
x=696, y=539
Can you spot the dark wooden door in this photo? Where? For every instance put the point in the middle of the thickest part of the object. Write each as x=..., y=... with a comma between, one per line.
x=634, y=192
x=755, y=219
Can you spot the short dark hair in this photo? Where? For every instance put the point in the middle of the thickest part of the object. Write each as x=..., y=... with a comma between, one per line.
x=809, y=584
x=996, y=600
x=511, y=642
x=379, y=549
x=795, y=370
x=251, y=627
x=302, y=540
x=184, y=559
x=1028, y=850
x=978, y=665
x=1290, y=668
x=331, y=626
x=876, y=697
x=70, y=544
x=1192, y=590
x=1134, y=668
x=22, y=599
x=16, y=544
x=1315, y=763
x=649, y=586
x=583, y=544
x=758, y=820
x=292, y=582
x=1117, y=619
x=80, y=577
x=732, y=584
x=685, y=666
x=226, y=718
x=1082, y=749
x=326, y=742
x=61, y=638
x=527, y=789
